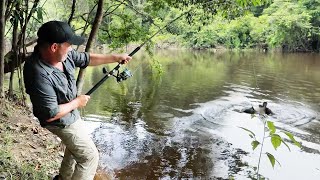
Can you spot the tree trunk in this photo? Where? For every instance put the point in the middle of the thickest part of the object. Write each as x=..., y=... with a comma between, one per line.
x=15, y=50
x=26, y=21
x=94, y=30
x=9, y=7
x=2, y=45
x=73, y=9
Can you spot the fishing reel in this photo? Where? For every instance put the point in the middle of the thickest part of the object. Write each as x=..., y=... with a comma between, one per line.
x=124, y=75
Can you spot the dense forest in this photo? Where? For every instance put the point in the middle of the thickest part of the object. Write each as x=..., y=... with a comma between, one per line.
x=280, y=25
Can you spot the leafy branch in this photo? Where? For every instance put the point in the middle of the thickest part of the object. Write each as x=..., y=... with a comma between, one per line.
x=275, y=139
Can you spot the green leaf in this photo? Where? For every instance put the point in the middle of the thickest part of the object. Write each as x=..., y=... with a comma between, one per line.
x=254, y=144
x=291, y=137
x=39, y=14
x=251, y=133
x=271, y=159
x=286, y=144
x=276, y=141
x=271, y=127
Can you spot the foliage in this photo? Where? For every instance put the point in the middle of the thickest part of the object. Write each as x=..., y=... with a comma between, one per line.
x=135, y=21
x=291, y=26
x=275, y=139
x=230, y=9
x=122, y=28
x=288, y=25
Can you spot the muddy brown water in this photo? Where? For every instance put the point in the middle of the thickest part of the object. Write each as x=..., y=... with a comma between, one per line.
x=184, y=123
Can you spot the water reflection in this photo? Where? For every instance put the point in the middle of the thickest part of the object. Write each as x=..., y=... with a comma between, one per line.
x=185, y=123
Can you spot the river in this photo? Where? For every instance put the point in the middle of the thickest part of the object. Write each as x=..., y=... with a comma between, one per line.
x=184, y=123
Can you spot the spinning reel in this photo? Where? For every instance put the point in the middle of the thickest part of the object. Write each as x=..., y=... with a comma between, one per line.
x=124, y=75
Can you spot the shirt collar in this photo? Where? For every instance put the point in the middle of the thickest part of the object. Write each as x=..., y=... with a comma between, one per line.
x=47, y=67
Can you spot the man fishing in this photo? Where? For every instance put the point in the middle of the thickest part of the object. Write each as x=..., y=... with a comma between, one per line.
x=50, y=82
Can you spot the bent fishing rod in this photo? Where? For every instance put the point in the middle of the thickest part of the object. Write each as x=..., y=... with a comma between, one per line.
x=126, y=74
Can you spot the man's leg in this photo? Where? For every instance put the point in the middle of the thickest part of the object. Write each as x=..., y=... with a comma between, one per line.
x=67, y=165
x=82, y=149
x=85, y=153
x=68, y=162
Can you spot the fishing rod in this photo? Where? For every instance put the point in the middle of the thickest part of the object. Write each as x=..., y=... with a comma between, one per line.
x=126, y=73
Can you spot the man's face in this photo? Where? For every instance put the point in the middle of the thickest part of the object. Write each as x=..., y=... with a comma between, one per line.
x=62, y=51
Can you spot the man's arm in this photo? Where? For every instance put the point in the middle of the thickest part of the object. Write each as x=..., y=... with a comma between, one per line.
x=64, y=109
x=98, y=59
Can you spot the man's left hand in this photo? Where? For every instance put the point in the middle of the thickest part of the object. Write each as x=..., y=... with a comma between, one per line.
x=124, y=58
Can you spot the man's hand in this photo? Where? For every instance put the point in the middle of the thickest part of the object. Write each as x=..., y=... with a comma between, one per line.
x=124, y=58
x=82, y=100
x=98, y=59
x=64, y=109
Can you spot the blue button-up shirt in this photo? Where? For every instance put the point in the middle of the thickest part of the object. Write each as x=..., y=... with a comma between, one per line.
x=49, y=87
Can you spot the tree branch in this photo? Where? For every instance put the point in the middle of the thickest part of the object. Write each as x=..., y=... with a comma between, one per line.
x=73, y=8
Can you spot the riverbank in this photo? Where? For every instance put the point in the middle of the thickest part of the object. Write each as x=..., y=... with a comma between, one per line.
x=27, y=151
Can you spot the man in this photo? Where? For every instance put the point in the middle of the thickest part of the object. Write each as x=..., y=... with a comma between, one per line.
x=50, y=82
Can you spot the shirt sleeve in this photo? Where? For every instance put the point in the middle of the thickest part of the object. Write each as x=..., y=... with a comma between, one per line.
x=44, y=99
x=80, y=59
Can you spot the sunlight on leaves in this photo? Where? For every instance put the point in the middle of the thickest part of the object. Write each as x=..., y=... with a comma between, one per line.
x=271, y=127
x=276, y=141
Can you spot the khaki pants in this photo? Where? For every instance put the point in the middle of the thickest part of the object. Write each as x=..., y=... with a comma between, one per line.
x=81, y=156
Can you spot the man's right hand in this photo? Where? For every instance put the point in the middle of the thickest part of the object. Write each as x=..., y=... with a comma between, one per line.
x=82, y=100
x=64, y=109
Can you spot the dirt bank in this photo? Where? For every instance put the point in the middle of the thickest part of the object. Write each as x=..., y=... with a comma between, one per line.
x=28, y=151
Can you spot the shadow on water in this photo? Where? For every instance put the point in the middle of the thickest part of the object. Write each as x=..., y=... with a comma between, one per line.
x=183, y=127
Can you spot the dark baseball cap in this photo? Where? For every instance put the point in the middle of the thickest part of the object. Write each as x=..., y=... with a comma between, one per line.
x=58, y=32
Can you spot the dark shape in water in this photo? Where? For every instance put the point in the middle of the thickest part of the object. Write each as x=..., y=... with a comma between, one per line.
x=262, y=109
